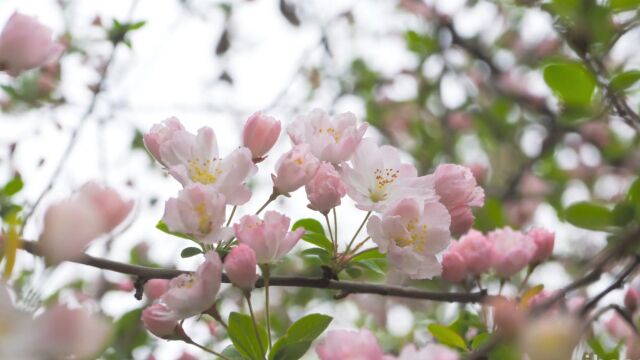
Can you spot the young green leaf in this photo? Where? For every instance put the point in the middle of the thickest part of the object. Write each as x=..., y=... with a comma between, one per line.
x=190, y=251
x=625, y=80
x=296, y=342
x=588, y=215
x=164, y=228
x=571, y=82
x=314, y=233
x=13, y=186
x=448, y=337
x=243, y=336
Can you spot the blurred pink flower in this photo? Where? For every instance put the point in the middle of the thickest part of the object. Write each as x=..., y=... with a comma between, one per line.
x=618, y=327
x=260, y=133
x=26, y=44
x=633, y=347
x=632, y=299
x=240, y=266
x=429, y=352
x=458, y=191
x=412, y=233
x=155, y=288
x=160, y=320
x=199, y=210
x=476, y=250
x=349, y=345
x=506, y=315
x=377, y=178
x=331, y=139
x=191, y=294
x=325, y=189
x=551, y=337
x=269, y=238
x=294, y=169
x=112, y=207
x=544, y=241
x=512, y=251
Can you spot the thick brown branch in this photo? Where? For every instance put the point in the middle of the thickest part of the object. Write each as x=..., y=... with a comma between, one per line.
x=349, y=287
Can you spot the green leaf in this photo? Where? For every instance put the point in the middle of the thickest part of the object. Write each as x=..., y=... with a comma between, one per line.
x=164, y=228
x=624, y=5
x=296, y=342
x=190, y=251
x=633, y=195
x=368, y=254
x=322, y=254
x=13, y=186
x=419, y=43
x=232, y=354
x=448, y=337
x=588, y=215
x=243, y=336
x=623, y=213
x=571, y=82
x=479, y=340
x=625, y=80
x=314, y=233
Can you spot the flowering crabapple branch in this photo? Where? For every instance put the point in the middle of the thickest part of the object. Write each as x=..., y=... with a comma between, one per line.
x=148, y=273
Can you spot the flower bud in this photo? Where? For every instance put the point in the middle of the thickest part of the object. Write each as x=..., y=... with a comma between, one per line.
x=632, y=299
x=260, y=133
x=240, y=266
x=326, y=189
x=544, y=241
x=453, y=266
x=294, y=169
x=458, y=191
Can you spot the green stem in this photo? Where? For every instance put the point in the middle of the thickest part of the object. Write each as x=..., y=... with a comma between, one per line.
x=233, y=212
x=357, y=232
x=274, y=195
x=255, y=324
x=333, y=241
x=203, y=348
x=335, y=227
x=266, y=273
x=355, y=249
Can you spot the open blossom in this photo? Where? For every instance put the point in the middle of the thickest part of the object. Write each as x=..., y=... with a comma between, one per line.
x=429, y=352
x=544, y=241
x=26, y=44
x=160, y=320
x=240, y=266
x=260, y=133
x=70, y=225
x=458, y=191
x=412, y=233
x=199, y=210
x=294, y=169
x=191, y=294
x=377, y=178
x=331, y=139
x=477, y=251
x=512, y=251
x=270, y=238
x=326, y=189
x=349, y=345
x=195, y=159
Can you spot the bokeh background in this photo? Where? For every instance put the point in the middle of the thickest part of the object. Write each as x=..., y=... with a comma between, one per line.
x=445, y=81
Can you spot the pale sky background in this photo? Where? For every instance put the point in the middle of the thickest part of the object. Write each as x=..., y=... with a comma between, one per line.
x=172, y=71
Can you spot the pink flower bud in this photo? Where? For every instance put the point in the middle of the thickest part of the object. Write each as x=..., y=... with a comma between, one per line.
x=160, y=320
x=512, y=251
x=349, y=344
x=544, y=241
x=268, y=238
x=260, y=133
x=111, y=206
x=26, y=44
x=476, y=250
x=240, y=266
x=294, y=169
x=126, y=285
x=453, y=266
x=632, y=300
x=160, y=134
x=458, y=191
x=155, y=288
x=326, y=189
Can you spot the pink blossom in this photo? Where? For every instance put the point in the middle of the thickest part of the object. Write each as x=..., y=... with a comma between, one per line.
x=512, y=251
x=506, y=315
x=429, y=352
x=331, y=139
x=551, y=337
x=377, y=178
x=632, y=299
x=83, y=337
x=349, y=345
x=269, y=238
x=155, y=288
x=26, y=44
x=195, y=159
x=544, y=241
x=199, y=210
x=160, y=134
x=112, y=207
x=454, y=268
x=260, y=133
x=458, y=191
x=160, y=320
x=618, y=327
x=294, y=169
x=412, y=233
x=325, y=189
x=476, y=250
x=240, y=266
x=191, y=294
x=70, y=225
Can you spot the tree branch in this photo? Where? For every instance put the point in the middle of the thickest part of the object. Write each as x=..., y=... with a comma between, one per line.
x=350, y=287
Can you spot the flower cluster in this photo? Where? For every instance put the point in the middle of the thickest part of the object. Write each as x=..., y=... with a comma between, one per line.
x=505, y=251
